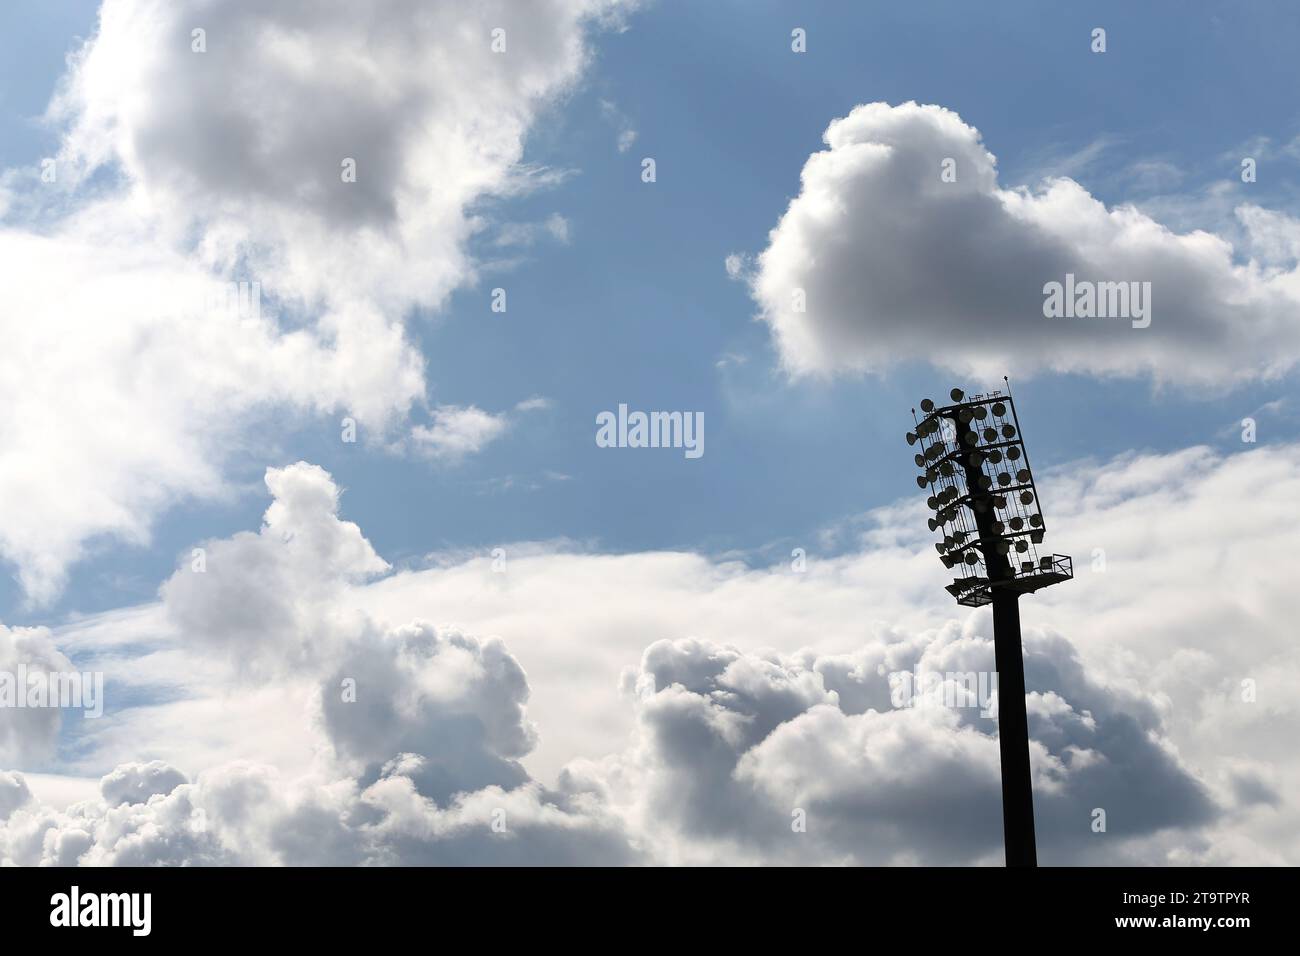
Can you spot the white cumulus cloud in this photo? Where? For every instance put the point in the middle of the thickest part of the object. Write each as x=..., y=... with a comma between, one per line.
x=350, y=729
x=181, y=171
x=881, y=258
x=457, y=432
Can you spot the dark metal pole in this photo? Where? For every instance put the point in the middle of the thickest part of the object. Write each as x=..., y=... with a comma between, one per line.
x=1013, y=724
x=1013, y=732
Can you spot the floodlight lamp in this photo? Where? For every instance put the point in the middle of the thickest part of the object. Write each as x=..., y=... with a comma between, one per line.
x=999, y=409
x=957, y=394
x=927, y=406
x=912, y=438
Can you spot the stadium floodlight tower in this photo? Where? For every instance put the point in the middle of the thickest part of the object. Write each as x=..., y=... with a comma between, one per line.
x=973, y=461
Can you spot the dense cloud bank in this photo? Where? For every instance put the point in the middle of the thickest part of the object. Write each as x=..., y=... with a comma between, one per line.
x=419, y=731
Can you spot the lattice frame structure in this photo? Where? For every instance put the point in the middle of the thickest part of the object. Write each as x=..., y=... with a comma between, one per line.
x=975, y=465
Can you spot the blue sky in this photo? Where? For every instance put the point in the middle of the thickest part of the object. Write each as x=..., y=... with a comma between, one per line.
x=637, y=306
x=626, y=298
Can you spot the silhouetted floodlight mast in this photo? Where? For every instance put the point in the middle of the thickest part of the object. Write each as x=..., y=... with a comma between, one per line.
x=973, y=461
